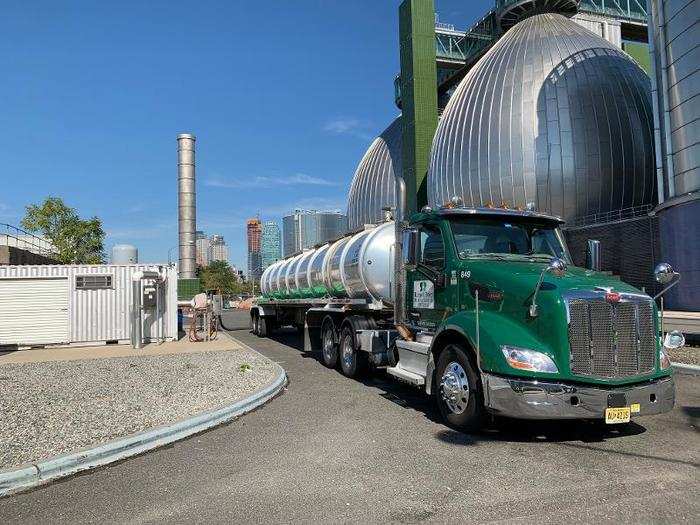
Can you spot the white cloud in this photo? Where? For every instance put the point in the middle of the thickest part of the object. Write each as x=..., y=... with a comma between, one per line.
x=347, y=126
x=268, y=182
x=341, y=125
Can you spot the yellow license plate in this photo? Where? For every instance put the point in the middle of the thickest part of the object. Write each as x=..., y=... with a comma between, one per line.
x=617, y=415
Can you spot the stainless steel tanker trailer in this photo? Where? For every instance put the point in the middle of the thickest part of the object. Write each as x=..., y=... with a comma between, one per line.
x=336, y=288
x=483, y=310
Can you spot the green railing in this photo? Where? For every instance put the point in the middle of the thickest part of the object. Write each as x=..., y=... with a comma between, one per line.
x=633, y=10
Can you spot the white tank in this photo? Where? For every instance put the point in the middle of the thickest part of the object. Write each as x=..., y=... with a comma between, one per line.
x=125, y=254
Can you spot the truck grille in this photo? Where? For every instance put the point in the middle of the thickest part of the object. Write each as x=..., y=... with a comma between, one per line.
x=611, y=340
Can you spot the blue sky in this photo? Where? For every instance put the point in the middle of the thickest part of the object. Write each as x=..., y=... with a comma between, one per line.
x=284, y=98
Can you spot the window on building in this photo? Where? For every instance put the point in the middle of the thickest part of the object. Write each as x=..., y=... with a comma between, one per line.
x=93, y=282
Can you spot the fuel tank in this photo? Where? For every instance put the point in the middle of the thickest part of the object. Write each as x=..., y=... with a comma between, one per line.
x=357, y=266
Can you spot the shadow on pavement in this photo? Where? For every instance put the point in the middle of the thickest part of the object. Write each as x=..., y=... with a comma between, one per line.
x=498, y=429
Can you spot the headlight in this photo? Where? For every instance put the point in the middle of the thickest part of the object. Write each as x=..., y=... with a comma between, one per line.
x=674, y=340
x=524, y=359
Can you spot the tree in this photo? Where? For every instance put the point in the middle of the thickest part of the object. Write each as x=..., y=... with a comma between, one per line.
x=76, y=241
x=219, y=276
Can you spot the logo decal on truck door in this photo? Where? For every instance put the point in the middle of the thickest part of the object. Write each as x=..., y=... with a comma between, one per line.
x=423, y=295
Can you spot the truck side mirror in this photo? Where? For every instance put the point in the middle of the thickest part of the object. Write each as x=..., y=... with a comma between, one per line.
x=593, y=255
x=440, y=280
x=411, y=248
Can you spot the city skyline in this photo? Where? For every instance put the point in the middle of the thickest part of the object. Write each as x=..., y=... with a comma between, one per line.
x=302, y=229
x=271, y=244
x=211, y=248
x=254, y=238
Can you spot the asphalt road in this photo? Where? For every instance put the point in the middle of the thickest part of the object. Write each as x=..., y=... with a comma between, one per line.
x=335, y=449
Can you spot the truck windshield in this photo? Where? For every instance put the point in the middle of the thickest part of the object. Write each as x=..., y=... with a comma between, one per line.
x=503, y=237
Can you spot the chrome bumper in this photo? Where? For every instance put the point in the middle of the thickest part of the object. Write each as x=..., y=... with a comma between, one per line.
x=549, y=400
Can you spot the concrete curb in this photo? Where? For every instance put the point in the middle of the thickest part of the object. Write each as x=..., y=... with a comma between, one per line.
x=682, y=368
x=19, y=479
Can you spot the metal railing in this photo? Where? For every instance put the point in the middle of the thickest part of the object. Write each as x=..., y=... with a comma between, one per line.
x=624, y=214
x=17, y=238
x=633, y=10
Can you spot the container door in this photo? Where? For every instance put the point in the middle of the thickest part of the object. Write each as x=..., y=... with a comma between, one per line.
x=33, y=311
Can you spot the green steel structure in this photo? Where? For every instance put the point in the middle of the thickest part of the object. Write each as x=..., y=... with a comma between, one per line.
x=418, y=80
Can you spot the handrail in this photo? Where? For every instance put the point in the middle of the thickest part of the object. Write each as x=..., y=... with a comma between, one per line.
x=18, y=238
x=632, y=212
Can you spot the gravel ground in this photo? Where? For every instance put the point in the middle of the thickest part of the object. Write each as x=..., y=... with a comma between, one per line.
x=54, y=408
x=689, y=355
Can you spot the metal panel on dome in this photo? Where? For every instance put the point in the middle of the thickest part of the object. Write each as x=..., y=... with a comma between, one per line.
x=373, y=185
x=552, y=115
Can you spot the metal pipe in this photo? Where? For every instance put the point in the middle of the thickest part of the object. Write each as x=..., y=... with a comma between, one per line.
x=136, y=321
x=478, y=335
x=660, y=25
x=399, y=270
x=187, y=213
x=158, y=313
x=658, y=161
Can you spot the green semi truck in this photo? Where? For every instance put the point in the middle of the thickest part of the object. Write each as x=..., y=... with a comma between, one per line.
x=481, y=308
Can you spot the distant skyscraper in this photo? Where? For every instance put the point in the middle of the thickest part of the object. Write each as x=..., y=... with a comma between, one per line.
x=254, y=234
x=306, y=228
x=218, y=249
x=203, y=248
x=271, y=244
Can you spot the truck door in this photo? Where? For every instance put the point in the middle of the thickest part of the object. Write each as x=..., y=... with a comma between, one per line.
x=427, y=285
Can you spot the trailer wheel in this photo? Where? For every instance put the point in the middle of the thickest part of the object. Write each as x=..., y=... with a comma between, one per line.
x=458, y=394
x=254, y=323
x=329, y=346
x=262, y=327
x=352, y=361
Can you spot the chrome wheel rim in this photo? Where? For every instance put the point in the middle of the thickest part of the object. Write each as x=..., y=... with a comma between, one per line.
x=328, y=345
x=454, y=388
x=347, y=352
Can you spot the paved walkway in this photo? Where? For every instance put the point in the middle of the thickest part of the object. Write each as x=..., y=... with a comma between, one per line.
x=70, y=353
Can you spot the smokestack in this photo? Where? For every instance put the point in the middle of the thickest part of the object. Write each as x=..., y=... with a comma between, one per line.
x=187, y=212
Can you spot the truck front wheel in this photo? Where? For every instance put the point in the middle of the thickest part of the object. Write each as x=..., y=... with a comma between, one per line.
x=458, y=393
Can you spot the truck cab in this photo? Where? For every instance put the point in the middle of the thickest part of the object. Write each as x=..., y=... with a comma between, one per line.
x=496, y=319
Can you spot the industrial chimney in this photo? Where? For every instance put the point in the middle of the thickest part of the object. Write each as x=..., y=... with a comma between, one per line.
x=187, y=214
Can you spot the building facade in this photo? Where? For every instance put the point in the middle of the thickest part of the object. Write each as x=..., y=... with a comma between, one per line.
x=218, y=250
x=305, y=228
x=271, y=244
x=675, y=45
x=254, y=237
x=203, y=247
